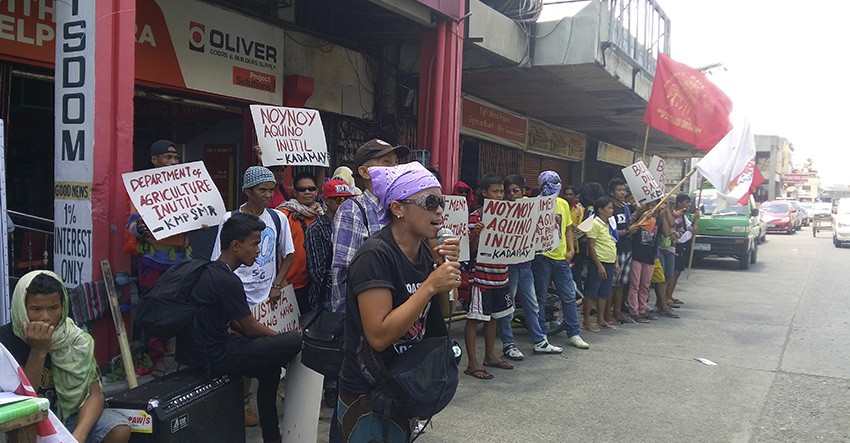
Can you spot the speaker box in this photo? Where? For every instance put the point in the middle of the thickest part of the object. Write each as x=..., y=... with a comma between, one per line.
x=188, y=406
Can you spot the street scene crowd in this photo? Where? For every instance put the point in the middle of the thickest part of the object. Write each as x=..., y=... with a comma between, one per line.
x=364, y=243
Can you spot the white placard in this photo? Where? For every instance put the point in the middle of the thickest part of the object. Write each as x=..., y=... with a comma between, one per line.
x=515, y=231
x=74, y=141
x=280, y=316
x=456, y=219
x=643, y=187
x=5, y=296
x=658, y=169
x=175, y=199
x=290, y=136
x=303, y=402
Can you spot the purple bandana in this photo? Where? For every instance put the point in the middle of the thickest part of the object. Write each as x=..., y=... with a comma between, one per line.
x=550, y=183
x=395, y=183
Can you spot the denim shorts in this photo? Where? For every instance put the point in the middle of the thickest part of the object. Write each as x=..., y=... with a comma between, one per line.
x=108, y=420
x=596, y=286
x=668, y=262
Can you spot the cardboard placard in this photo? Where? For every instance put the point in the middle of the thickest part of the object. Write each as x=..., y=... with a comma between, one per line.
x=175, y=199
x=280, y=316
x=658, y=169
x=644, y=188
x=515, y=231
x=290, y=136
x=456, y=218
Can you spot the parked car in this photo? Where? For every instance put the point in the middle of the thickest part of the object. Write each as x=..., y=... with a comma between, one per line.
x=779, y=216
x=841, y=223
x=809, y=210
x=798, y=213
x=730, y=232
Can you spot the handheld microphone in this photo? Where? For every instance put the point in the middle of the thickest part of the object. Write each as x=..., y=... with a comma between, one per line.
x=442, y=235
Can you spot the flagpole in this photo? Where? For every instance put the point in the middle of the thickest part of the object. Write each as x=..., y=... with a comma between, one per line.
x=694, y=230
x=645, y=141
x=666, y=196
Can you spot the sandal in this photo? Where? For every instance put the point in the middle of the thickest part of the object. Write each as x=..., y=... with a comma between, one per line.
x=479, y=374
x=670, y=314
x=677, y=301
x=612, y=321
x=607, y=326
x=592, y=327
x=640, y=319
x=501, y=364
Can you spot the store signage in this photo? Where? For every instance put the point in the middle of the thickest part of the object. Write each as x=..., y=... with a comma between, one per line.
x=192, y=44
x=641, y=183
x=545, y=139
x=290, y=136
x=795, y=178
x=456, y=219
x=74, y=141
x=609, y=153
x=493, y=124
x=515, y=231
x=187, y=44
x=175, y=199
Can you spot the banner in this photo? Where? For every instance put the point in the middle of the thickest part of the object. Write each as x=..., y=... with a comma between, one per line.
x=290, y=136
x=456, y=218
x=280, y=316
x=515, y=231
x=73, y=167
x=641, y=183
x=175, y=199
x=658, y=169
x=684, y=104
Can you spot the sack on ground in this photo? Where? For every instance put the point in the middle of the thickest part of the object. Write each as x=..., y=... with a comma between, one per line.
x=322, y=341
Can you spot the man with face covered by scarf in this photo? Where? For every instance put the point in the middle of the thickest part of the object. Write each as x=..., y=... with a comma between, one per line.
x=554, y=265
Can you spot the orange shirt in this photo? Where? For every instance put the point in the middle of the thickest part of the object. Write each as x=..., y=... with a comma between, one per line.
x=297, y=274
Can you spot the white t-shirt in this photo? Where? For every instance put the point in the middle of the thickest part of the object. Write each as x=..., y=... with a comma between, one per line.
x=257, y=279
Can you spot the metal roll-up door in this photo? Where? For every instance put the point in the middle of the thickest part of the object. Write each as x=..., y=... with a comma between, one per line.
x=562, y=167
x=499, y=160
x=532, y=165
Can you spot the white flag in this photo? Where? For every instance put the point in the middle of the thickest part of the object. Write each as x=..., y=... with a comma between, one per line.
x=731, y=165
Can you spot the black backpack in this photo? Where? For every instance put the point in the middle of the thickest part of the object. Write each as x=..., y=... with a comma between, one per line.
x=167, y=308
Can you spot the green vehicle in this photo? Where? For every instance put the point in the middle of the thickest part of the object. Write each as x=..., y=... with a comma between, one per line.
x=731, y=232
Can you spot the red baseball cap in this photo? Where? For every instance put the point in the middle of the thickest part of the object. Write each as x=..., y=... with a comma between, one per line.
x=337, y=188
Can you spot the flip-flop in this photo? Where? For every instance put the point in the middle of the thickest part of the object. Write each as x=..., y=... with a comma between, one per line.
x=608, y=326
x=479, y=374
x=670, y=314
x=501, y=364
x=590, y=327
x=677, y=301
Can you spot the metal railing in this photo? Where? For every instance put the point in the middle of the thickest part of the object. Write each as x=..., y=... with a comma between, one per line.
x=640, y=29
x=30, y=244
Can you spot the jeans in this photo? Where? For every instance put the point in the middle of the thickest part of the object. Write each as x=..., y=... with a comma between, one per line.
x=547, y=270
x=522, y=280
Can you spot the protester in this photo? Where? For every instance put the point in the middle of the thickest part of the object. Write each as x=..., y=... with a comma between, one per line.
x=623, y=219
x=645, y=243
x=553, y=266
x=489, y=295
x=155, y=256
x=667, y=260
x=58, y=359
x=602, y=252
x=396, y=295
x=589, y=192
x=280, y=193
x=301, y=211
x=359, y=217
x=266, y=278
x=464, y=190
x=226, y=339
x=344, y=173
x=318, y=241
x=520, y=279
x=685, y=229
x=577, y=215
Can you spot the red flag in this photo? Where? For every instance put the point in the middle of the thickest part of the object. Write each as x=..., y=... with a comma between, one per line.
x=686, y=105
x=757, y=180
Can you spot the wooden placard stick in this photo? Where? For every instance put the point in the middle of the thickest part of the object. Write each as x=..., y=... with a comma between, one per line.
x=123, y=344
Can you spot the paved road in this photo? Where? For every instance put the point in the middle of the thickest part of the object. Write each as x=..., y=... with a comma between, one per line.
x=778, y=332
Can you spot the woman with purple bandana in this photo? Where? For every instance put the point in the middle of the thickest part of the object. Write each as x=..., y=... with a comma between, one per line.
x=397, y=295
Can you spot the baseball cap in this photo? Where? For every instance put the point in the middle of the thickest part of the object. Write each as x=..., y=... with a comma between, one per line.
x=337, y=188
x=256, y=175
x=161, y=147
x=375, y=148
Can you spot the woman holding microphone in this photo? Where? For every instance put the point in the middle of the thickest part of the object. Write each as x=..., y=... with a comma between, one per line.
x=397, y=294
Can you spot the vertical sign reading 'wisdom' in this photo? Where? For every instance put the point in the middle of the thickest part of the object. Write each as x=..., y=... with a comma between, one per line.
x=74, y=140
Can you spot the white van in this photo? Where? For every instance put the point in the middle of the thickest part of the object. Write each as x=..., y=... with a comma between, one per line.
x=841, y=223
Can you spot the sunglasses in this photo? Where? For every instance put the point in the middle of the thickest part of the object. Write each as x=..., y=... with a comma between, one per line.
x=514, y=190
x=306, y=188
x=430, y=202
x=463, y=191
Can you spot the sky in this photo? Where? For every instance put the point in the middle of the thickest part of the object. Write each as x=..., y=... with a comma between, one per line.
x=785, y=67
